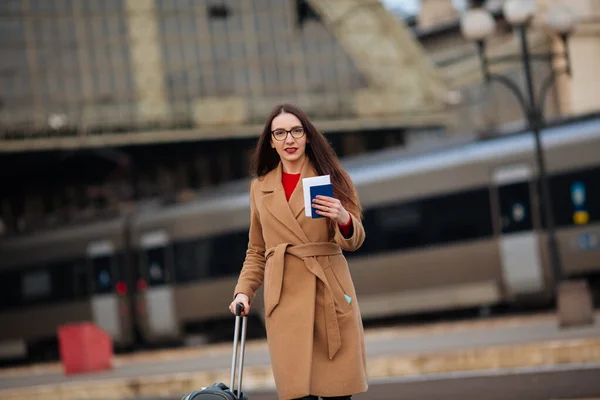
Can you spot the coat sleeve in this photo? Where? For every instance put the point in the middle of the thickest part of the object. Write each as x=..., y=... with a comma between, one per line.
x=253, y=269
x=356, y=240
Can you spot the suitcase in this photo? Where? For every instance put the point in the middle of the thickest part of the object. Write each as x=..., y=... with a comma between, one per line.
x=220, y=391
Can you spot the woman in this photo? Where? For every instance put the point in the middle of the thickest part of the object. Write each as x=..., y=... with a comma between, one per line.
x=312, y=318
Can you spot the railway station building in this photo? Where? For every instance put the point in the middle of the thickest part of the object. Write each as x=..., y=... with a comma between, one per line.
x=108, y=104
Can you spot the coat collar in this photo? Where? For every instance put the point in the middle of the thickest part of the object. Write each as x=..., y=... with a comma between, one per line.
x=276, y=203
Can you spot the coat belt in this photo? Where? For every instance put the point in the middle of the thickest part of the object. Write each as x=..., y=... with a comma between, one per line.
x=307, y=253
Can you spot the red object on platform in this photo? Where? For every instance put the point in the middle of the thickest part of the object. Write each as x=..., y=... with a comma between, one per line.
x=84, y=347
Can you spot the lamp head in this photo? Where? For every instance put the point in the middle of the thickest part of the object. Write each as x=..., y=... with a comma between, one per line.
x=518, y=12
x=477, y=24
x=560, y=19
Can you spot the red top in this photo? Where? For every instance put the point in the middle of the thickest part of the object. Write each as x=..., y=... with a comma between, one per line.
x=289, y=184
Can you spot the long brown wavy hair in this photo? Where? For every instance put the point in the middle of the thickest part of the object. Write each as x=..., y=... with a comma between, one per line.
x=319, y=152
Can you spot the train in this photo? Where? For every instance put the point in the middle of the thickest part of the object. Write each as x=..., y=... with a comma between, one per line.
x=450, y=228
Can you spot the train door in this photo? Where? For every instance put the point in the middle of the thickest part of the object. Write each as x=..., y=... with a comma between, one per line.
x=106, y=310
x=159, y=304
x=127, y=288
x=518, y=240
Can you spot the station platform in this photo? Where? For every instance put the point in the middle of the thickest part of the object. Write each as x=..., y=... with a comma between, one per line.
x=477, y=345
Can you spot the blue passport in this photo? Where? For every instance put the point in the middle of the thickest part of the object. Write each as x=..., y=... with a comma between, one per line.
x=320, y=190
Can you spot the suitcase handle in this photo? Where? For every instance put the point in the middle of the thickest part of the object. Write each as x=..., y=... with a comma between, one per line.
x=239, y=309
x=234, y=360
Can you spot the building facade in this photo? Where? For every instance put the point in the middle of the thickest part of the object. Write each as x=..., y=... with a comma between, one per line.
x=124, y=65
x=105, y=103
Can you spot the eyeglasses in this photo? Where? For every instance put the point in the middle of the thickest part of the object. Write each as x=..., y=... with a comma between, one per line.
x=281, y=134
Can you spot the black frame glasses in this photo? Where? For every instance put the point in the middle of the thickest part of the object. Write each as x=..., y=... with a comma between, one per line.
x=297, y=132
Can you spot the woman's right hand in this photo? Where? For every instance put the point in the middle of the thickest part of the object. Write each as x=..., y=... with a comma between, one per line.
x=243, y=299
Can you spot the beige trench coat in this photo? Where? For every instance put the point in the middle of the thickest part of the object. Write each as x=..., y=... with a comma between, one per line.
x=315, y=336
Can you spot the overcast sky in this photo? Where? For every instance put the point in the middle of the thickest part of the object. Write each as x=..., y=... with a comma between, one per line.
x=408, y=6
x=411, y=7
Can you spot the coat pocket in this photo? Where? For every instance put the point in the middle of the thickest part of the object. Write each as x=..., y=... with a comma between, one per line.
x=339, y=292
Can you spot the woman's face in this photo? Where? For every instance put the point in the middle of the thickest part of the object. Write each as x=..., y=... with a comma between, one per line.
x=288, y=138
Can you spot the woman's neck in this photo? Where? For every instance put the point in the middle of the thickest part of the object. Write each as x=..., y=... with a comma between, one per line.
x=293, y=167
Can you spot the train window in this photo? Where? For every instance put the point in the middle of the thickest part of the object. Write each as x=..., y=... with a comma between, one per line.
x=457, y=217
x=192, y=260
x=576, y=197
x=36, y=285
x=371, y=243
x=156, y=263
x=80, y=280
x=515, y=207
x=54, y=283
x=425, y=222
x=398, y=226
x=103, y=274
x=65, y=283
x=228, y=253
x=10, y=289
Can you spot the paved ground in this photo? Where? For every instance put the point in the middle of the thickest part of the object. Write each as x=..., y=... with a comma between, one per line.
x=557, y=382
x=421, y=362
x=389, y=342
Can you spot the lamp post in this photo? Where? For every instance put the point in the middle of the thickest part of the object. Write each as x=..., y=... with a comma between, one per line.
x=476, y=25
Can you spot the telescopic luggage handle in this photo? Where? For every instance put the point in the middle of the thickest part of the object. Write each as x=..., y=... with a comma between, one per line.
x=240, y=365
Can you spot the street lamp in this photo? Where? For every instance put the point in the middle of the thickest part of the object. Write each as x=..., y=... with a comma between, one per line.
x=476, y=25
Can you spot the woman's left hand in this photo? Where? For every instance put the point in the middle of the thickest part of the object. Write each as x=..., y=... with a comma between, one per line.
x=331, y=208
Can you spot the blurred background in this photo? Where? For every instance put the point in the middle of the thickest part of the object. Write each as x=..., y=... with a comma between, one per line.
x=127, y=127
x=108, y=103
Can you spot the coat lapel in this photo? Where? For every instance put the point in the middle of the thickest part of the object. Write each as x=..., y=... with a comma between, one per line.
x=277, y=204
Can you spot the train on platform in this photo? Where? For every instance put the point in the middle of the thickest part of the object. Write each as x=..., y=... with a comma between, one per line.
x=453, y=228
